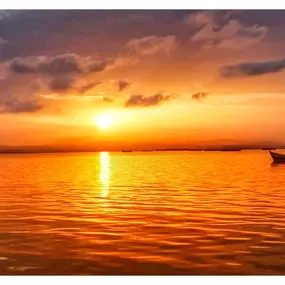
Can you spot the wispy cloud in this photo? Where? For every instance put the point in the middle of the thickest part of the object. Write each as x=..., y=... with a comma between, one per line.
x=200, y=18
x=219, y=18
x=151, y=45
x=3, y=41
x=220, y=29
x=90, y=98
x=8, y=13
x=12, y=107
x=88, y=87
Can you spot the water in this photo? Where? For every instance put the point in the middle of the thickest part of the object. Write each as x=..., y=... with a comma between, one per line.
x=142, y=213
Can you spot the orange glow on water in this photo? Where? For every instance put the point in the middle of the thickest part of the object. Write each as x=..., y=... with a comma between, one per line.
x=104, y=173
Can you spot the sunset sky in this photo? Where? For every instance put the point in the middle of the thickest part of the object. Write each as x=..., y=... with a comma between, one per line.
x=165, y=78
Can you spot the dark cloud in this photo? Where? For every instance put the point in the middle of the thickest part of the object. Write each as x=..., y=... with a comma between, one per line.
x=199, y=95
x=123, y=84
x=62, y=71
x=57, y=65
x=253, y=68
x=21, y=66
x=146, y=101
x=63, y=84
x=12, y=107
x=61, y=64
x=60, y=84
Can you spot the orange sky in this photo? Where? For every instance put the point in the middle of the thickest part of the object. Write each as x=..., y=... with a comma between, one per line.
x=143, y=69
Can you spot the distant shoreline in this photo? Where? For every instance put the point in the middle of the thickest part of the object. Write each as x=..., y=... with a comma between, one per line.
x=14, y=151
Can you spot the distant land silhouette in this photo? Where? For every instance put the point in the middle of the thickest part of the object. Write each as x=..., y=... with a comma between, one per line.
x=61, y=149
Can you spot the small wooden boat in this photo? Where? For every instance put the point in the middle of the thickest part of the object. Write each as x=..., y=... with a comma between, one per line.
x=277, y=157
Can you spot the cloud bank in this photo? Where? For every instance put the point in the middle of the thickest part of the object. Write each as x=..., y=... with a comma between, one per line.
x=57, y=65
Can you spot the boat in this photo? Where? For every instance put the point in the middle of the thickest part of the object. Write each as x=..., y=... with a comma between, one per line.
x=277, y=157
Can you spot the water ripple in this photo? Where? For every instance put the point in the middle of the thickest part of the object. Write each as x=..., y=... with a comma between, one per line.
x=157, y=213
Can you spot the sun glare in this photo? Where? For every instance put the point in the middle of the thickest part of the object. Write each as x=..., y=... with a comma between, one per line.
x=104, y=121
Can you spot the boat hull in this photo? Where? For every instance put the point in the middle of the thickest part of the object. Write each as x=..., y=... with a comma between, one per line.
x=277, y=157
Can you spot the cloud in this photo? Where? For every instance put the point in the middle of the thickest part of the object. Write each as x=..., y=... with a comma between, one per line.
x=20, y=98
x=199, y=95
x=60, y=84
x=57, y=65
x=151, y=45
x=245, y=36
x=12, y=107
x=200, y=18
x=218, y=18
x=2, y=41
x=87, y=87
x=221, y=30
x=253, y=68
x=89, y=98
x=124, y=60
x=63, y=72
x=68, y=85
x=63, y=84
x=144, y=101
x=123, y=84
x=107, y=99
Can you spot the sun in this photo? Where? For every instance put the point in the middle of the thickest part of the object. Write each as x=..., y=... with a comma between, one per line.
x=104, y=121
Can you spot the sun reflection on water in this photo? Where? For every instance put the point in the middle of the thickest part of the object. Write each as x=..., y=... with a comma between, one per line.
x=104, y=173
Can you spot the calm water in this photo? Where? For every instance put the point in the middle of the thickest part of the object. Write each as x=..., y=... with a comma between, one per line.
x=142, y=213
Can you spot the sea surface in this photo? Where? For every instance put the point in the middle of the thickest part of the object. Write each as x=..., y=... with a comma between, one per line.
x=156, y=213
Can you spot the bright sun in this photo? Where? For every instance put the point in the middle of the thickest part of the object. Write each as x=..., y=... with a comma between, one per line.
x=104, y=121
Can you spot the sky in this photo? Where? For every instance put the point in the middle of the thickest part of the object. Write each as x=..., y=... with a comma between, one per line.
x=166, y=78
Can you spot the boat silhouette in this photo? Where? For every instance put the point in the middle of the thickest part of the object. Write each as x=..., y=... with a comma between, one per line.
x=277, y=157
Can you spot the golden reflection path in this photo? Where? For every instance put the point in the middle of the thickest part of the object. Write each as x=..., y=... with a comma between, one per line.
x=105, y=173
